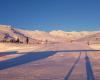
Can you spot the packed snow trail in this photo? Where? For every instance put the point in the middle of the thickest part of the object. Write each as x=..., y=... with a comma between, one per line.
x=71, y=70
x=50, y=65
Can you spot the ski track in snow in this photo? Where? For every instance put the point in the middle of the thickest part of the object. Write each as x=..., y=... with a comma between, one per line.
x=47, y=66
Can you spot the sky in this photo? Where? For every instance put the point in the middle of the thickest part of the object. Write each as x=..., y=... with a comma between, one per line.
x=47, y=15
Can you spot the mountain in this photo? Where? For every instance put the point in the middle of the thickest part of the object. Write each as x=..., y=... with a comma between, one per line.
x=94, y=37
x=9, y=33
x=36, y=36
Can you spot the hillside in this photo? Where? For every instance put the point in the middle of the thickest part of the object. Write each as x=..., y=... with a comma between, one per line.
x=36, y=36
x=8, y=33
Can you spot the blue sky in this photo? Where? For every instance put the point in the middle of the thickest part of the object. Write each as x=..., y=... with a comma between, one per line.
x=67, y=15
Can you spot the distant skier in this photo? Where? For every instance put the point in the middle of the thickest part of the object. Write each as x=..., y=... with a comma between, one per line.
x=88, y=43
x=27, y=40
x=17, y=41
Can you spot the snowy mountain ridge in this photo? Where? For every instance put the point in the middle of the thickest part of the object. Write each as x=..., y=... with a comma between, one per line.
x=38, y=36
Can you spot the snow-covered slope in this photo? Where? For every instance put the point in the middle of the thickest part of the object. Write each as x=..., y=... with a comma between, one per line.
x=56, y=36
x=93, y=37
x=37, y=36
x=8, y=33
x=69, y=35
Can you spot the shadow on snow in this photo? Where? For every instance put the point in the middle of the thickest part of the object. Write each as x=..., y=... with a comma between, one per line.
x=89, y=70
x=7, y=53
x=28, y=57
x=33, y=56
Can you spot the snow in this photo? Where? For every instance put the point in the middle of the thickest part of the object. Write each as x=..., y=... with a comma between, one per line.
x=57, y=60
x=58, y=65
x=52, y=36
x=95, y=46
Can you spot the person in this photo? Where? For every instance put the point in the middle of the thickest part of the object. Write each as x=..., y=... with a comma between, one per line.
x=88, y=43
x=27, y=40
x=17, y=41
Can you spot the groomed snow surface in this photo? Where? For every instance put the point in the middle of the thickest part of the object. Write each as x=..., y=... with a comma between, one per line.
x=59, y=61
